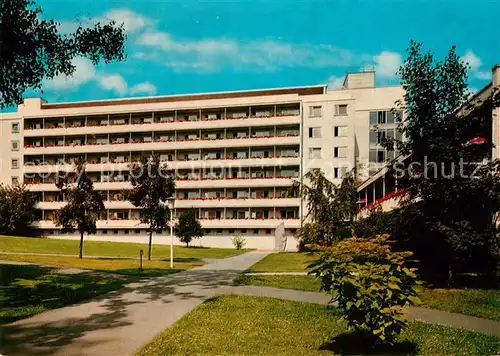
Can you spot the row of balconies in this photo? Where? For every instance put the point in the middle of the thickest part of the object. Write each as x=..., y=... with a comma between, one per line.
x=51, y=148
x=167, y=156
x=150, y=137
x=281, y=213
x=32, y=178
x=163, y=117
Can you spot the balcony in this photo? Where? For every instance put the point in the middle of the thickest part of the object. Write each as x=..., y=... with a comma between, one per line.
x=120, y=146
x=158, y=122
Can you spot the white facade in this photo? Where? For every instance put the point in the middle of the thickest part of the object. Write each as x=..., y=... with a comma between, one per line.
x=236, y=154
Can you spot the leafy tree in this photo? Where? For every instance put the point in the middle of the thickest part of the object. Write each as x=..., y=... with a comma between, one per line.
x=330, y=207
x=83, y=204
x=371, y=285
x=188, y=227
x=458, y=205
x=152, y=186
x=33, y=49
x=17, y=210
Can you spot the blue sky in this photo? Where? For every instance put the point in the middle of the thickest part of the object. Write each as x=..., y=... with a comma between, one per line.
x=185, y=46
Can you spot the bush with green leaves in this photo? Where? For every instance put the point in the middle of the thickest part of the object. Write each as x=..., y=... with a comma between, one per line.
x=370, y=284
x=238, y=242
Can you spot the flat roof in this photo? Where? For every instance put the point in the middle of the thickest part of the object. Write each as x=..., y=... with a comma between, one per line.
x=302, y=90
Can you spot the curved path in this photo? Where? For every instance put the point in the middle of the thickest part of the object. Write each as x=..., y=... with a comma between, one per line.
x=120, y=322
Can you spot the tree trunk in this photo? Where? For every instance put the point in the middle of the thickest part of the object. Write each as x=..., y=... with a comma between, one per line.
x=449, y=283
x=81, y=245
x=150, y=244
x=187, y=244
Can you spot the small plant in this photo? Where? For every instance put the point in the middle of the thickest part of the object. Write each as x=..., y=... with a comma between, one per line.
x=371, y=285
x=239, y=242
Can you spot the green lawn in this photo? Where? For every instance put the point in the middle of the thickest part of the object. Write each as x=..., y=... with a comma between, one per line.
x=29, y=290
x=283, y=262
x=242, y=325
x=102, y=248
x=475, y=302
x=114, y=265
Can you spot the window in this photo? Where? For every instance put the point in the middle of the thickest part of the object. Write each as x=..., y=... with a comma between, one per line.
x=314, y=153
x=219, y=231
x=380, y=136
x=341, y=110
x=15, y=127
x=315, y=132
x=243, y=231
x=104, y=232
x=115, y=232
x=256, y=231
x=208, y=231
x=315, y=111
x=15, y=180
x=268, y=231
x=15, y=145
x=126, y=232
x=14, y=163
x=340, y=131
x=381, y=156
x=340, y=152
x=137, y=231
x=336, y=173
x=382, y=117
x=231, y=231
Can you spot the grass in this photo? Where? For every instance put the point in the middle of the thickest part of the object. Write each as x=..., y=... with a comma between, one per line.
x=115, y=265
x=29, y=290
x=475, y=302
x=283, y=262
x=242, y=325
x=103, y=248
x=307, y=283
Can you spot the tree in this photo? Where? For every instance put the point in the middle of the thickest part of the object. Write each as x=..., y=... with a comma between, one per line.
x=152, y=186
x=83, y=204
x=458, y=205
x=17, y=210
x=33, y=49
x=330, y=207
x=188, y=227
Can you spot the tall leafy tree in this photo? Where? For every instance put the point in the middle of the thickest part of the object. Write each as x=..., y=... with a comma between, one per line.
x=33, y=49
x=331, y=207
x=188, y=227
x=447, y=135
x=17, y=210
x=152, y=186
x=83, y=204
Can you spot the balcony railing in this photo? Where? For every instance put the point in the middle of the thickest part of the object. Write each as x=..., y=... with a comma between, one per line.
x=174, y=120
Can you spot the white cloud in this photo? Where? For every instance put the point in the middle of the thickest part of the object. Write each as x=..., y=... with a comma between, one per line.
x=387, y=63
x=215, y=54
x=335, y=82
x=472, y=60
x=113, y=82
x=143, y=88
x=475, y=64
x=84, y=72
x=132, y=21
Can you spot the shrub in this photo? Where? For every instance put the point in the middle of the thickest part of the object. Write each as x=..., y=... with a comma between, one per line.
x=370, y=283
x=238, y=242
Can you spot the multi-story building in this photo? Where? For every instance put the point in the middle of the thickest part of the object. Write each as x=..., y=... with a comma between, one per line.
x=381, y=188
x=235, y=154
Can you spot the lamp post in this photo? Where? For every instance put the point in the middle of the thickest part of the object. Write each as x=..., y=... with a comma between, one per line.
x=171, y=208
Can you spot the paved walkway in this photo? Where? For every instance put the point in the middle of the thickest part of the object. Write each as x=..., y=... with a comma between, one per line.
x=120, y=322
x=485, y=326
